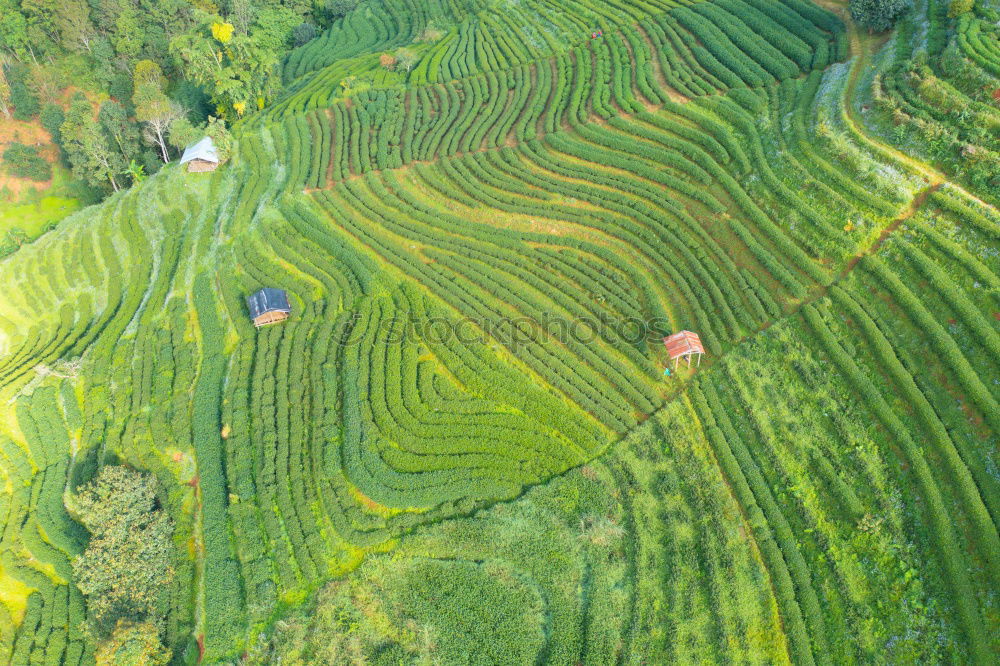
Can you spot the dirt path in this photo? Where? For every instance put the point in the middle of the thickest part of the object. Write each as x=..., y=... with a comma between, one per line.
x=862, y=48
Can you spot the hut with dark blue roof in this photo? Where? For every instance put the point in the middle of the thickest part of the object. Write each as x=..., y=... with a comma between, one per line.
x=268, y=306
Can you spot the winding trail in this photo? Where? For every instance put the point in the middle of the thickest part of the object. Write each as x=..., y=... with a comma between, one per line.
x=862, y=48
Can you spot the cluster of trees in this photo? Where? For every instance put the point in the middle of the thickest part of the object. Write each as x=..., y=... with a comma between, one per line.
x=219, y=52
x=126, y=566
x=124, y=85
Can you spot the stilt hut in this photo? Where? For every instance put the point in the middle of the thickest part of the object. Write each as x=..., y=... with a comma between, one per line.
x=268, y=306
x=683, y=344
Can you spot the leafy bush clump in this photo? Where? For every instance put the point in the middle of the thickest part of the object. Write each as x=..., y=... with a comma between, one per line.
x=878, y=15
x=25, y=162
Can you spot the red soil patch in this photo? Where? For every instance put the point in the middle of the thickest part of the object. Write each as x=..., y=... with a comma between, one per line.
x=201, y=647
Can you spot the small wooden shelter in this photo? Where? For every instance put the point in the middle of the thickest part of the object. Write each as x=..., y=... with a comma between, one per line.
x=268, y=306
x=201, y=156
x=683, y=343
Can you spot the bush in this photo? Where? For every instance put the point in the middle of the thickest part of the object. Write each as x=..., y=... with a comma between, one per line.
x=25, y=162
x=877, y=15
x=52, y=118
x=303, y=33
x=959, y=7
x=23, y=98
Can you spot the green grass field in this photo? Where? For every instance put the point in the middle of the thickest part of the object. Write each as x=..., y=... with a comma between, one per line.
x=35, y=212
x=461, y=447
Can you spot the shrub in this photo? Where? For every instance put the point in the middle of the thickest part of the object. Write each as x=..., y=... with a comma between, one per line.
x=25, y=162
x=959, y=7
x=52, y=118
x=23, y=98
x=878, y=15
x=303, y=33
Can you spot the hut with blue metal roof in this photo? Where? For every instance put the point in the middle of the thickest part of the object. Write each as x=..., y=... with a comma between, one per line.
x=268, y=306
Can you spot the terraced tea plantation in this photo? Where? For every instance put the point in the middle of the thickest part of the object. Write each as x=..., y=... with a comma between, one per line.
x=462, y=447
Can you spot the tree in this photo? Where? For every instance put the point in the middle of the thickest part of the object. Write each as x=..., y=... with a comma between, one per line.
x=147, y=72
x=388, y=61
x=303, y=33
x=40, y=25
x=72, y=20
x=182, y=133
x=87, y=148
x=47, y=83
x=119, y=129
x=128, y=35
x=13, y=29
x=238, y=74
x=5, y=104
x=329, y=11
x=221, y=138
x=241, y=14
x=52, y=118
x=133, y=644
x=126, y=565
x=152, y=106
x=21, y=95
x=405, y=59
x=877, y=15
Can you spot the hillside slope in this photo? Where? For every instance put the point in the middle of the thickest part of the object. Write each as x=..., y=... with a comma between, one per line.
x=482, y=257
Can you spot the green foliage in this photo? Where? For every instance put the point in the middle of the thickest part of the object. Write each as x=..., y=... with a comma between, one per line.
x=121, y=132
x=303, y=33
x=464, y=422
x=22, y=97
x=958, y=7
x=878, y=15
x=89, y=151
x=25, y=162
x=52, y=118
x=221, y=137
x=127, y=561
x=133, y=644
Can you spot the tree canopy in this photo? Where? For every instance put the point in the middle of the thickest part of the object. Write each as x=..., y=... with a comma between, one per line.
x=878, y=15
x=127, y=563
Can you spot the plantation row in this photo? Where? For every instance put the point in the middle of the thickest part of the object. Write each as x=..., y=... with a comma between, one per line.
x=633, y=66
x=371, y=28
x=402, y=452
x=50, y=630
x=462, y=38
x=944, y=102
x=621, y=173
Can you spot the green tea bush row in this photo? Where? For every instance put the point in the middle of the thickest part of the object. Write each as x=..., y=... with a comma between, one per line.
x=946, y=347
x=792, y=583
x=950, y=556
x=224, y=601
x=974, y=500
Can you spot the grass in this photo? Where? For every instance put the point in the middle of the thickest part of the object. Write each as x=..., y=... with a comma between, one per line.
x=35, y=211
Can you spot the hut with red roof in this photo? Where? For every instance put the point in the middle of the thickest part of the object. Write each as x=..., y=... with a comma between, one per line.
x=683, y=344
